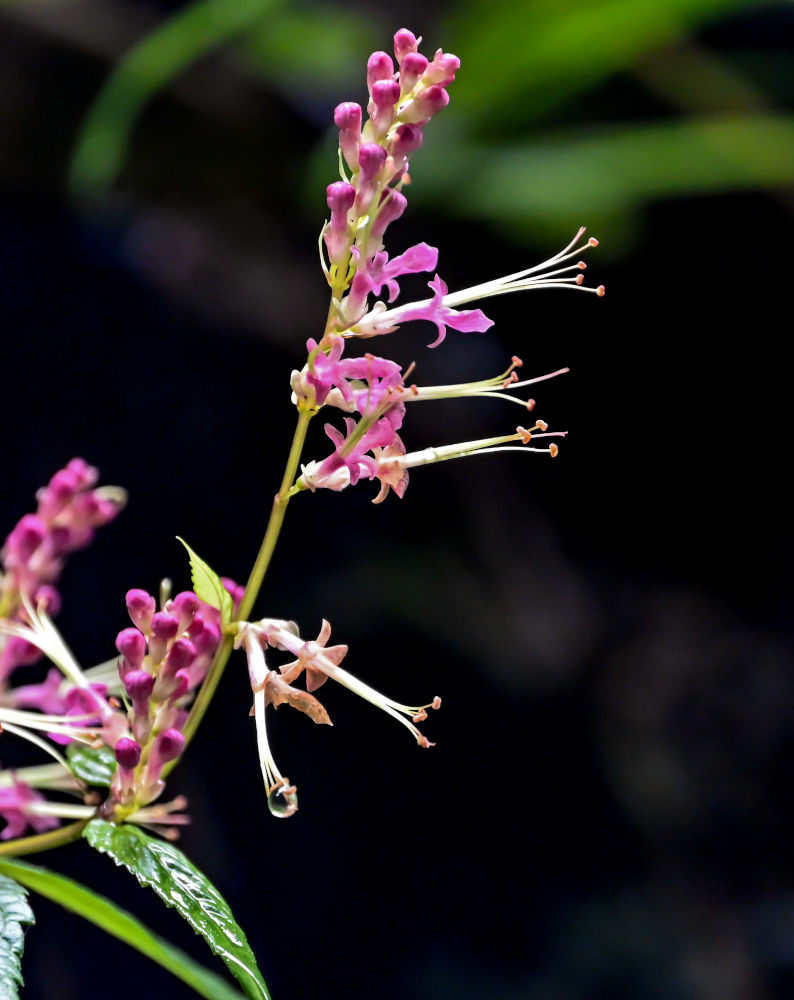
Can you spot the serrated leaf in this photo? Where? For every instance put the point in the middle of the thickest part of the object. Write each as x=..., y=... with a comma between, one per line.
x=208, y=587
x=14, y=912
x=122, y=925
x=94, y=766
x=177, y=881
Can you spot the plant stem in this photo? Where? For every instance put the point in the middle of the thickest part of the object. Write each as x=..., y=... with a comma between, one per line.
x=255, y=580
x=44, y=841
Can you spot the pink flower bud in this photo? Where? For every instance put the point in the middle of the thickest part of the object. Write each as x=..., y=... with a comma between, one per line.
x=371, y=158
x=184, y=606
x=405, y=41
x=347, y=118
x=132, y=646
x=139, y=685
x=140, y=606
x=207, y=640
x=337, y=238
x=169, y=745
x=411, y=69
x=128, y=753
x=26, y=537
x=385, y=95
x=182, y=678
x=407, y=139
x=426, y=104
x=442, y=69
x=379, y=67
x=164, y=628
x=180, y=656
x=60, y=490
x=86, y=475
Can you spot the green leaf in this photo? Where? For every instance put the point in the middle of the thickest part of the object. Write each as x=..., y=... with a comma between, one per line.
x=112, y=919
x=208, y=587
x=180, y=884
x=94, y=766
x=14, y=912
x=154, y=62
x=333, y=40
x=561, y=178
x=525, y=57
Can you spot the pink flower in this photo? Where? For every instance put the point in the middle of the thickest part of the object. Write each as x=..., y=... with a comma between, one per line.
x=434, y=310
x=15, y=803
x=383, y=271
x=70, y=508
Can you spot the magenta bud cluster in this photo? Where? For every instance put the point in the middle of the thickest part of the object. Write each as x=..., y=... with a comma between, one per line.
x=70, y=509
x=180, y=639
x=163, y=656
x=376, y=152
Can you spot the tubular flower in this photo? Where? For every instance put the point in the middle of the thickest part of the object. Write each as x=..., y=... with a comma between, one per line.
x=320, y=662
x=379, y=453
x=442, y=309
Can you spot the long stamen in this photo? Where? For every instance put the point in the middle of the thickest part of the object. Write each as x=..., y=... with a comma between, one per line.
x=405, y=714
x=50, y=776
x=9, y=727
x=520, y=279
x=49, y=723
x=65, y=810
x=494, y=387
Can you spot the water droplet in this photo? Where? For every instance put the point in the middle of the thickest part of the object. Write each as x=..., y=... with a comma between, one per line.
x=282, y=799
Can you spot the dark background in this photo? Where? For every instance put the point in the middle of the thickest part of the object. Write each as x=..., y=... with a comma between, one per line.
x=607, y=811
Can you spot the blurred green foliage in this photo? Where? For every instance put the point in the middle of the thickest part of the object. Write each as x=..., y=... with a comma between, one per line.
x=499, y=158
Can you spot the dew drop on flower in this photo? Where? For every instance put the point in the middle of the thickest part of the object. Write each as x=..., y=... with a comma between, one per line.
x=282, y=799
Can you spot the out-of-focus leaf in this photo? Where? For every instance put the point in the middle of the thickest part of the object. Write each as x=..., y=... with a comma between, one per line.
x=146, y=69
x=14, y=912
x=113, y=920
x=565, y=178
x=521, y=58
x=180, y=884
x=95, y=766
x=314, y=51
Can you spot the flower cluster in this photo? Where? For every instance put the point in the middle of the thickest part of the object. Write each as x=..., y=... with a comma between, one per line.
x=70, y=508
x=276, y=687
x=135, y=710
x=163, y=658
x=371, y=390
x=135, y=707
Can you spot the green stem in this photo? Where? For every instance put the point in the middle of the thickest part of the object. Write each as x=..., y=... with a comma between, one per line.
x=252, y=588
x=44, y=841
